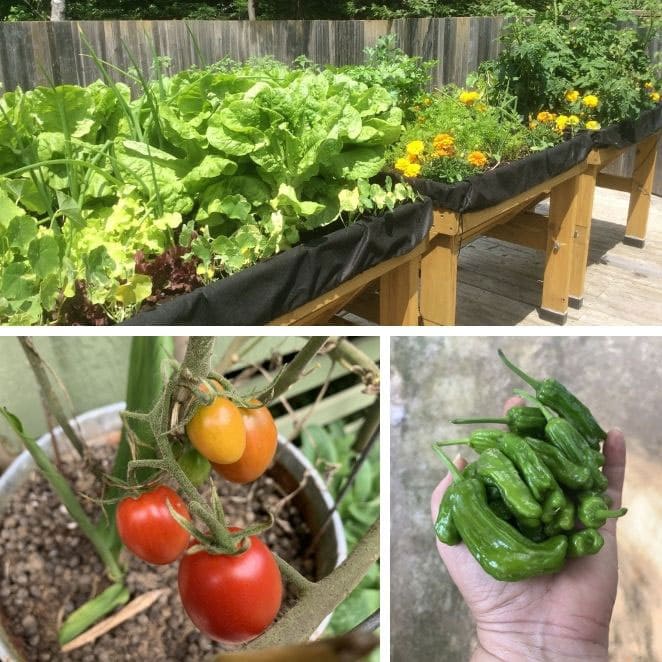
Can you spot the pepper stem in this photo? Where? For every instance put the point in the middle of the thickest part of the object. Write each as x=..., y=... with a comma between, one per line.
x=612, y=513
x=447, y=461
x=462, y=421
x=547, y=412
x=533, y=383
x=454, y=442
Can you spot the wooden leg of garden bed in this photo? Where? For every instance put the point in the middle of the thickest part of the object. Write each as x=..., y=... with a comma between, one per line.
x=640, y=194
x=584, y=216
x=439, y=281
x=556, y=284
x=398, y=294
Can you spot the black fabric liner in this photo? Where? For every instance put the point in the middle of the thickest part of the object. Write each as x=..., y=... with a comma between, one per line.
x=269, y=289
x=508, y=180
x=631, y=131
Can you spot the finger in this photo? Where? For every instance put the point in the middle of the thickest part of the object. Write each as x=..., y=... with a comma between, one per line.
x=614, y=468
x=513, y=401
x=438, y=491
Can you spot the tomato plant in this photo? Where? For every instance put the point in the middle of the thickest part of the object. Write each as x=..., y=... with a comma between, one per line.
x=147, y=528
x=231, y=598
x=217, y=431
x=261, y=443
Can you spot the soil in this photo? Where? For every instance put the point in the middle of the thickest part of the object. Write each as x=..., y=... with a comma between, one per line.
x=48, y=569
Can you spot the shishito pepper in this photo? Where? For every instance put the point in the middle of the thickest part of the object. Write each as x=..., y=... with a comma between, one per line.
x=567, y=473
x=444, y=528
x=561, y=433
x=563, y=521
x=531, y=468
x=494, y=467
x=592, y=511
x=520, y=420
x=552, y=505
x=555, y=395
x=585, y=542
x=499, y=548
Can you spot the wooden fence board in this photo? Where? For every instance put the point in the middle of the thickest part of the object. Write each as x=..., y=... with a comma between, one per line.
x=32, y=53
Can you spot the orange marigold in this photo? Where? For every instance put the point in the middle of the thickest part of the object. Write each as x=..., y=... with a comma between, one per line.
x=477, y=159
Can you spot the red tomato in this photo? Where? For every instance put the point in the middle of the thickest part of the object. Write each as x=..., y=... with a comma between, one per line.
x=217, y=431
x=261, y=443
x=147, y=528
x=231, y=598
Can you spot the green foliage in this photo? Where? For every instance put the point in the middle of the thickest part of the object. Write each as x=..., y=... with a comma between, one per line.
x=405, y=77
x=231, y=162
x=593, y=46
x=330, y=451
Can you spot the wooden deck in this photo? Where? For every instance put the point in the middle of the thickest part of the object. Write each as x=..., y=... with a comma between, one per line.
x=500, y=283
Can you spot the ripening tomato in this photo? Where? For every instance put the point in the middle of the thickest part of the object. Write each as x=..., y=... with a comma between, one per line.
x=261, y=443
x=231, y=598
x=217, y=431
x=147, y=528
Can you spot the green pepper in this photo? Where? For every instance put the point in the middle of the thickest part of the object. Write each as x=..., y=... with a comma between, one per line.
x=593, y=512
x=443, y=526
x=553, y=394
x=479, y=440
x=499, y=508
x=520, y=420
x=535, y=533
x=567, y=473
x=563, y=521
x=587, y=493
x=499, y=548
x=534, y=472
x=571, y=443
x=552, y=505
x=585, y=542
x=495, y=467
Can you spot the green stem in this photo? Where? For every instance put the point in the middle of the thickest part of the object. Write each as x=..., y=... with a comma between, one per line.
x=293, y=576
x=533, y=383
x=67, y=497
x=321, y=598
x=462, y=421
x=350, y=355
x=92, y=611
x=465, y=441
x=451, y=466
x=547, y=412
x=368, y=428
x=293, y=371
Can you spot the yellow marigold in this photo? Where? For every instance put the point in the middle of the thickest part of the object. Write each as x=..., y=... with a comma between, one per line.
x=412, y=170
x=443, y=140
x=477, y=159
x=412, y=158
x=571, y=96
x=590, y=101
x=533, y=124
x=545, y=116
x=592, y=125
x=573, y=120
x=469, y=97
x=402, y=164
x=655, y=97
x=648, y=86
x=427, y=101
x=415, y=148
x=561, y=122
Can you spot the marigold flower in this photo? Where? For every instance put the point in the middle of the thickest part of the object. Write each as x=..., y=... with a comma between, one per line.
x=477, y=159
x=648, y=86
x=655, y=97
x=533, y=124
x=415, y=148
x=469, y=97
x=402, y=164
x=573, y=120
x=412, y=170
x=427, y=101
x=590, y=101
x=444, y=144
x=571, y=96
x=592, y=125
x=412, y=158
x=561, y=122
x=545, y=116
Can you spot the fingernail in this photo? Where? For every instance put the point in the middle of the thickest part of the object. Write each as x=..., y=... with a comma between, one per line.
x=457, y=458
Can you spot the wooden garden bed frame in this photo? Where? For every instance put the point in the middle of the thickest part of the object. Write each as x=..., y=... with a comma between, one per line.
x=511, y=220
x=398, y=286
x=639, y=185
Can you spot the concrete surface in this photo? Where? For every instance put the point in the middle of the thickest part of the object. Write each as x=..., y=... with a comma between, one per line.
x=437, y=378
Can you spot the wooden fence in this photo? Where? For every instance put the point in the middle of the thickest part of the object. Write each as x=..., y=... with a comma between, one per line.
x=32, y=53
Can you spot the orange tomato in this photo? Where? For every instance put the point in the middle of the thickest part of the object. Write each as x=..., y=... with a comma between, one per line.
x=261, y=443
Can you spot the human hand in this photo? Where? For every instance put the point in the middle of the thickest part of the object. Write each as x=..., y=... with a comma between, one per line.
x=564, y=616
